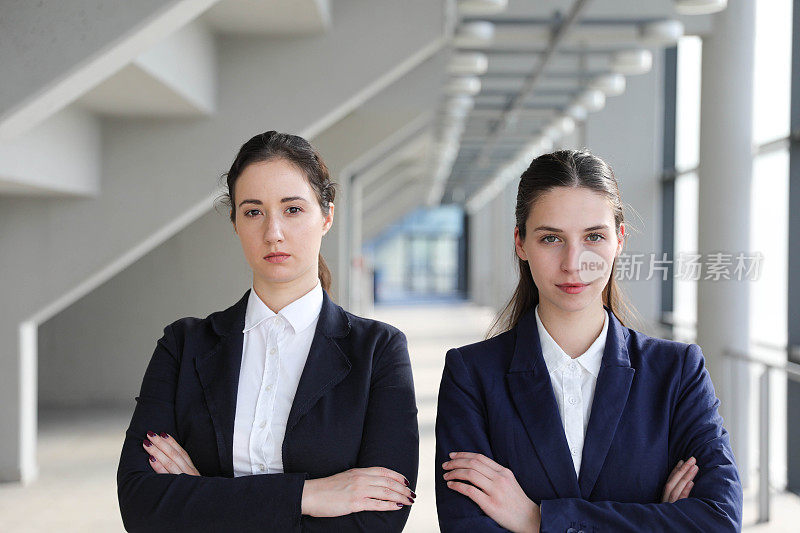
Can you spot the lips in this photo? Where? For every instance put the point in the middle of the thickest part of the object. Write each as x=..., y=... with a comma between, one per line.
x=277, y=257
x=572, y=288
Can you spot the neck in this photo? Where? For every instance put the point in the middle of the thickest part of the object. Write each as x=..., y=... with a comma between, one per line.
x=276, y=296
x=574, y=331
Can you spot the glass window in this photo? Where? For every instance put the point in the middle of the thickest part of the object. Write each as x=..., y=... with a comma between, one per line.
x=772, y=70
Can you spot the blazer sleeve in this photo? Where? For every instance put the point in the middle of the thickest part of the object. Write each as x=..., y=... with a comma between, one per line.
x=151, y=502
x=390, y=438
x=715, y=502
x=460, y=426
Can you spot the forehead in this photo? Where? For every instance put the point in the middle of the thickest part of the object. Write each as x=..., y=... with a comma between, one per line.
x=275, y=177
x=571, y=208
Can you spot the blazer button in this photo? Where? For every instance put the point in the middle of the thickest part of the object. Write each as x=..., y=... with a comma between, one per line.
x=572, y=530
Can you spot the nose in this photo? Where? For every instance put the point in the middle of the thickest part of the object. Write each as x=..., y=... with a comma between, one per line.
x=273, y=232
x=570, y=261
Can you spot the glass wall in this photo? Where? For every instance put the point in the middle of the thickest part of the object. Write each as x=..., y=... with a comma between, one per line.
x=418, y=258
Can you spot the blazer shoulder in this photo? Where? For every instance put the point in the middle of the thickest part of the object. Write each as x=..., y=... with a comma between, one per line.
x=645, y=350
x=194, y=333
x=499, y=348
x=361, y=326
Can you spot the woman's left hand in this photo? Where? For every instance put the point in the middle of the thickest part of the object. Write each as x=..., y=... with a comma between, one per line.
x=494, y=488
x=167, y=456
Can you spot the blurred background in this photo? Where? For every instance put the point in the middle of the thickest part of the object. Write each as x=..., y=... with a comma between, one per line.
x=117, y=119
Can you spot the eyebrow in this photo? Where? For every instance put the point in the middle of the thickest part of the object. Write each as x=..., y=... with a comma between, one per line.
x=556, y=230
x=283, y=200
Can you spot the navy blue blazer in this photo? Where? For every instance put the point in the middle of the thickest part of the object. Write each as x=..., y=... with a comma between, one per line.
x=354, y=407
x=653, y=405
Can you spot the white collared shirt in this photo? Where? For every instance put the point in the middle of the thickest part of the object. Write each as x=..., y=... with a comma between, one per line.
x=574, y=381
x=274, y=352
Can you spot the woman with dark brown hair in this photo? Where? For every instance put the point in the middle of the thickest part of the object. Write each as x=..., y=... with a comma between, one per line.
x=567, y=420
x=283, y=412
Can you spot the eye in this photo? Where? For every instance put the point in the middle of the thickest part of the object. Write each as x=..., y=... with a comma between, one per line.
x=247, y=213
x=549, y=239
x=595, y=237
x=292, y=210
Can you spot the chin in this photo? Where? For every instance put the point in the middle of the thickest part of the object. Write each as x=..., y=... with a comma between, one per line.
x=273, y=277
x=572, y=302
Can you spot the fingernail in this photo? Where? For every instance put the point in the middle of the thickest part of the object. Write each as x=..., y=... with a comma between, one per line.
x=444, y=464
x=151, y=434
x=691, y=460
x=152, y=459
x=413, y=495
x=680, y=463
x=164, y=435
x=406, y=482
x=147, y=443
x=399, y=504
x=451, y=454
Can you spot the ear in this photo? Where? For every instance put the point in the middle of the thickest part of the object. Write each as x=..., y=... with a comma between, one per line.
x=620, y=239
x=518, y=245
x=328, y=220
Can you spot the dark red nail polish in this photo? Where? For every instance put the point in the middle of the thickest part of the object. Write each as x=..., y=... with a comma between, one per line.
x=164, y=435
x=399, y=504
x=151, y=434
x=147, y=443
x=152, y=459
x=407, y=484
x=413, y=495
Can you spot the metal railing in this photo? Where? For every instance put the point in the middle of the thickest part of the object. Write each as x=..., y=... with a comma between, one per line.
x=792, y=371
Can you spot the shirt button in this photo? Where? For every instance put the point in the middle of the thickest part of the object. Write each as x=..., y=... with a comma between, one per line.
x=261, y=467
x=263, y=424
x=268, y=388
x=574, y=451
x=273, y=351
x=573, y=366
x=572, y=400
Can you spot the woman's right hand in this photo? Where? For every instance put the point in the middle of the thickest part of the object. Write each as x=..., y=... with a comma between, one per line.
x=680, y=483
x=354, y=490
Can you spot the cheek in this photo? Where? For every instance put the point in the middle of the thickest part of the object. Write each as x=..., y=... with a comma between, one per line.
x=542, y=262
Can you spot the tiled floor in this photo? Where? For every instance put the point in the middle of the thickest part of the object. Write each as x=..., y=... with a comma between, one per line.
x=78, y=450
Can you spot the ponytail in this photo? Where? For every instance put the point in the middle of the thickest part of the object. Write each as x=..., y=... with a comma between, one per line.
x=324, y=274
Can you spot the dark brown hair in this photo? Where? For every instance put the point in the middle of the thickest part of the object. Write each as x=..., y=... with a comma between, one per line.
x=271, y=145
x=564, y=168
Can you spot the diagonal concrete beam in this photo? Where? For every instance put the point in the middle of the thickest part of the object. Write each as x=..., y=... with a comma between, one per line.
x=53, y=52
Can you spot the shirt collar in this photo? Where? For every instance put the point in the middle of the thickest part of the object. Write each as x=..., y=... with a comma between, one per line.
x=299, y=314
x=555, y=357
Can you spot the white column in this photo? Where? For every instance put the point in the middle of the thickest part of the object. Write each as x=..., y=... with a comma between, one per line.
x=725, y=173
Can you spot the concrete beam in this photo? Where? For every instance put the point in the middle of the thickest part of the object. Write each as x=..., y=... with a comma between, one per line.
x=52, y=52
x=273, y=17
x=177, y=76
x=408, y=197
x=60, y=157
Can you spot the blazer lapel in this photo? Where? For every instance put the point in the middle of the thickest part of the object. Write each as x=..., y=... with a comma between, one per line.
x=532, y=393
x=610, y=396
x=218, y=371
x=326, y=364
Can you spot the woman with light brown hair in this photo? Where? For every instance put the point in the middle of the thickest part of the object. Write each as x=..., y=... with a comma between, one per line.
x=567, y=420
